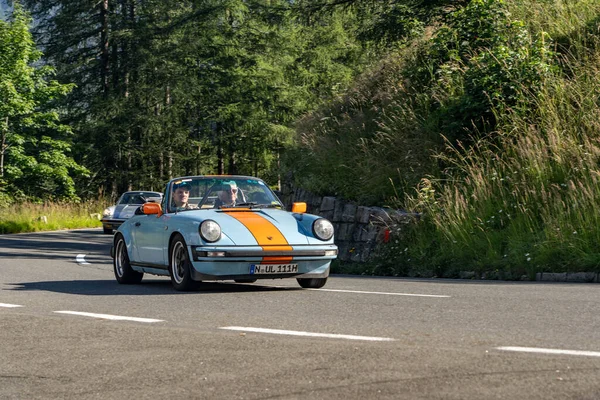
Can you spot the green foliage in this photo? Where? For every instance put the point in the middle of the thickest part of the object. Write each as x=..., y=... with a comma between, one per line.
x=190, y=87
x=384, y=23
x=34, y=145
x=483, y=60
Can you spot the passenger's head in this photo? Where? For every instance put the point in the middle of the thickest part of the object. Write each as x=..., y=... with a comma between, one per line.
x=229, y=191
x=181, y=194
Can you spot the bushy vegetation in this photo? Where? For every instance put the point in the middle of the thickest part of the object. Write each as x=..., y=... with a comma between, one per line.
x=489, y=127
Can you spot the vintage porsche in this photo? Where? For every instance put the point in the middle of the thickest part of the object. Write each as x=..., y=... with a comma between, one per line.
x=223, y=228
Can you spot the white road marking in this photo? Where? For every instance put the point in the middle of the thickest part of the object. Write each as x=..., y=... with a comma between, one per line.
x=311, y=334
x=386, y=293
x=108, y=316
x=81, y=259
x=551, y=351
x=9, y=305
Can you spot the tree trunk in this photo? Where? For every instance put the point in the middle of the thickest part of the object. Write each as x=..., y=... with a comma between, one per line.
x=3, y=146
x=220, y=156
x=104, y=47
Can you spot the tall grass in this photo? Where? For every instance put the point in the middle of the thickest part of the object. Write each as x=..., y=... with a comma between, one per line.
x=529, y=204
x=559, y=18
x=33, y=217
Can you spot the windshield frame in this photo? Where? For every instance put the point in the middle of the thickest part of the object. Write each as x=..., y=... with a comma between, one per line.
x=204, y=193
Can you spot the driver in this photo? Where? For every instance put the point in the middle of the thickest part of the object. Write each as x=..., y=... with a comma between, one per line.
x=181, y=196
x=227, y=195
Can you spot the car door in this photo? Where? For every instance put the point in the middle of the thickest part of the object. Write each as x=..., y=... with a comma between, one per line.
x=150, y=238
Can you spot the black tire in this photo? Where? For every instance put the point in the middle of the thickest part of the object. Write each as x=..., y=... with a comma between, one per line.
x=108, y=231
x=312, y=283
x=121, y=267
x=180, y=267
x=245, y=280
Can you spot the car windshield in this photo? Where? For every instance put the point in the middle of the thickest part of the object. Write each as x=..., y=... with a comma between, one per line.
x=220, y=192
x=139, y=197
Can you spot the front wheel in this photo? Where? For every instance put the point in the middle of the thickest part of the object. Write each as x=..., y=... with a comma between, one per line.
x=108, y=231
x=121, y=266
x=180, y=267
x=312, y=283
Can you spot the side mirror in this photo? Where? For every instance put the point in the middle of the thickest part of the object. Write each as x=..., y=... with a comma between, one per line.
x=151, y=209
x=299, y=208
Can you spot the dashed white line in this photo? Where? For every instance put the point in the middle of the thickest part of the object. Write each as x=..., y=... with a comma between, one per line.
x=9, y=305
x=386, y=293
x=550, y=351
x=81, y=259
x=310, y=334
x=109, y=316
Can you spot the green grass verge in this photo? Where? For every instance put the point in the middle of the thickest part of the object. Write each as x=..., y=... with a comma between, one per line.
x=32, y=217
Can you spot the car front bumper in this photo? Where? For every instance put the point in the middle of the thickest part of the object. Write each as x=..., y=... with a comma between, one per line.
x=224, y=263
x=109, y=223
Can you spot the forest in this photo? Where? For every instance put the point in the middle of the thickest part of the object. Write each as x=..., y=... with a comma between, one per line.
x=481, y=115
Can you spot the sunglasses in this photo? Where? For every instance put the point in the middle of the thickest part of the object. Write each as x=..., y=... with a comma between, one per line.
x=234, y=191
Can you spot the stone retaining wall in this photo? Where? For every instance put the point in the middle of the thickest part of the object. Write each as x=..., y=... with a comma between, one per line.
x=358, y=229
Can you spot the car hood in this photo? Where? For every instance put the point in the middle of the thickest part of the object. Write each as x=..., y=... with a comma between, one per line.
x=265, y=227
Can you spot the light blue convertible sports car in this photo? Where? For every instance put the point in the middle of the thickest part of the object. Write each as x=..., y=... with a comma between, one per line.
x=223, y=228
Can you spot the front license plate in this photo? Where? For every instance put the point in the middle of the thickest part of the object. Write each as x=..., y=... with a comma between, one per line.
x=257, y=269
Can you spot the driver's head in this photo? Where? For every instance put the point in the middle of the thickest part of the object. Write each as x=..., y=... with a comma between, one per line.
x=228, y=192
x=181, y=194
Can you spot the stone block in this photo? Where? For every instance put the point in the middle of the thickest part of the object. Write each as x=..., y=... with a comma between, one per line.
x=316, y=201
x=326, y=214
x=338, y=210
x=327, y=204
x=362, y=214
x=358, y=232
x=345, y=231
x=551, y=276
x=379, y=216
x=336, y=230
x=581, y=276
x=349, y=212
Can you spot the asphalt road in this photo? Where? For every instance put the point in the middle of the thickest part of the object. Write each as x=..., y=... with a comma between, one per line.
x=357, y=338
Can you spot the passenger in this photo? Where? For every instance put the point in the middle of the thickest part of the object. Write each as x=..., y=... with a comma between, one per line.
x=228, y=195
x=181, y=196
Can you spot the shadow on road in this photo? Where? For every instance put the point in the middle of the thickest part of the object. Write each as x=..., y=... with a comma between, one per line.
x=55, y=244
x=150, y=287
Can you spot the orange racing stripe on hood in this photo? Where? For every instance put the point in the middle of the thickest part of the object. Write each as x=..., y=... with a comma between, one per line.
x=266, y=234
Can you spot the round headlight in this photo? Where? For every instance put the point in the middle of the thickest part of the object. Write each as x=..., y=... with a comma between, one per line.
x=323, y=229
x=210, y=231
x=107, y=212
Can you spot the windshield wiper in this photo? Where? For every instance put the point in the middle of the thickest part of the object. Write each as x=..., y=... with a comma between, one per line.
x=269, y=206
x=253, y=204
x=247, y=204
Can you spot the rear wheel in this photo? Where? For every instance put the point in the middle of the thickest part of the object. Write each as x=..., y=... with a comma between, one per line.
x=121, y=267
x=180, y=267
x=312, y=283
